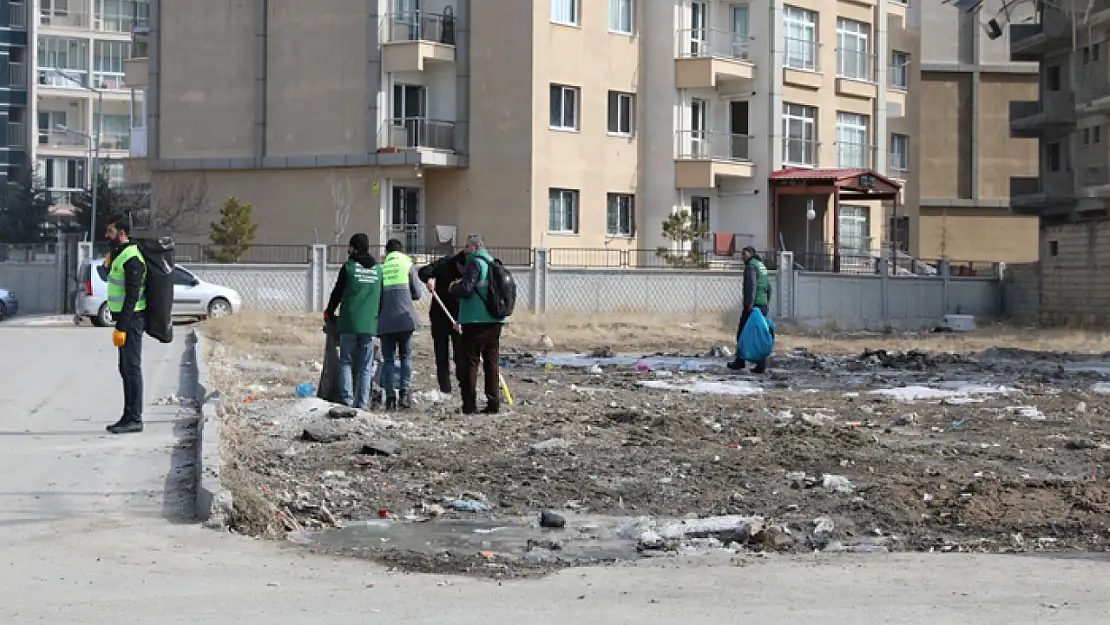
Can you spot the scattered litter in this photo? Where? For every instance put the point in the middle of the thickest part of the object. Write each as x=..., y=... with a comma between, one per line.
x=1029, y=412
x=837, y=483
x=314, y=434
x=823, y=525
x=552, y=520
x=468, y=505
x=379, y=448
x=306, y=389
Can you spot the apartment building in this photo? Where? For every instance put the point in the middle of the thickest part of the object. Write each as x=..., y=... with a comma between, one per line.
x=970, y=154
x=13, y=88
x=544, y=123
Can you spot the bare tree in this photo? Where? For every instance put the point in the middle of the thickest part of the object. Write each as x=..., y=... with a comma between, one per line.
x=179, y=206
x=342, y=197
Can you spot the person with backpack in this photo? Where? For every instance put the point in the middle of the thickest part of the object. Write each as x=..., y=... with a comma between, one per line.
x=438, y=276
x=357, y=294
x=757, y=294
x=127, y=302
x=484, y=305
x=397, y=322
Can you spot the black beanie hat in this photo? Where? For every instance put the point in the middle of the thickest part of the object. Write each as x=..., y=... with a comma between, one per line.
x=360, y=242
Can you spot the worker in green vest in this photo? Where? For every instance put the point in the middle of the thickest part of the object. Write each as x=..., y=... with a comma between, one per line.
x=397, y=323
x=481, y=331
x=127, y=302
x=757, y=294
x=357, y=294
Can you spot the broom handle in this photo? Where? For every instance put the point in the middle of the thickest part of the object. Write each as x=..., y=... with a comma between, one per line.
x=444, y=308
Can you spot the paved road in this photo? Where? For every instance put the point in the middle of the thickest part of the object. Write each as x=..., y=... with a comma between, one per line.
x=91, y=532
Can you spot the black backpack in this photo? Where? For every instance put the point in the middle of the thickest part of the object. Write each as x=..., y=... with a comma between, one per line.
x=502, y=290
x=158, y=253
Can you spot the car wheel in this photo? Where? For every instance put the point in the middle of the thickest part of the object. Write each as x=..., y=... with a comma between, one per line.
x=3, y=311
x=219, y=307
x=103, y=316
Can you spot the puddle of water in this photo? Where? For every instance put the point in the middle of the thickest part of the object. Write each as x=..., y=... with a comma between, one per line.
x=705, y=387
x=583, y=539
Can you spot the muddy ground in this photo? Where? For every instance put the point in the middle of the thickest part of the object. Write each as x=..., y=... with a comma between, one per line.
x=1001, y=450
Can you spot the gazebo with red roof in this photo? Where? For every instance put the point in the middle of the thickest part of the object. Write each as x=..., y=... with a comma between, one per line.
x=839, y=184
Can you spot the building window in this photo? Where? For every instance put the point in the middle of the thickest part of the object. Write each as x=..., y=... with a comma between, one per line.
x=1097, y=132
x=899, y=153
x=620, y=215
x=855, y=230
x=64, y=177
x=1086, y=136
x=1095, y=51
x=620, y=16
x=1052, y=157
x=562, y=211
x=51, y=134
x=564, y=107
x=851, y=140
x=63, y=62
x=113, y=173
x=1052, y=78
x=852, y=58
x=900, y=70
x=564, y=12
x=621, y=111
x=1053, y=248
x=119, y=16
x=1086, y=55
x=115, y=132
x=799, y=131
x=108, y=61
x=801, y=38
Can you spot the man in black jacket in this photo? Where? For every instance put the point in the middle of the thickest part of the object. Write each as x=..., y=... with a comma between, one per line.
x=438, y=277
x=127, y=301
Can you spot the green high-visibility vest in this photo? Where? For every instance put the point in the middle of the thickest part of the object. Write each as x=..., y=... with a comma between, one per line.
x=762, y=283
x=117, y=291
x=473, y=309
x=362, y=298
x=395, y=270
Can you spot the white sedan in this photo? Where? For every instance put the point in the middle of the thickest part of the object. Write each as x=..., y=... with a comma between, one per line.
x=192, y=297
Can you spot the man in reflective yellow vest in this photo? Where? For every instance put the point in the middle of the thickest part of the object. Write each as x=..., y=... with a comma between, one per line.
x=127, y=301
x=396, y=323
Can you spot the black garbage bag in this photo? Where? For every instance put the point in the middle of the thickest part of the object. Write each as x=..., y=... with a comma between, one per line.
x=158, y=253
x=328, y=388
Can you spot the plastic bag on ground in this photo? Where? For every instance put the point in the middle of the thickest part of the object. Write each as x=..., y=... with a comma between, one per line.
x=757, y=339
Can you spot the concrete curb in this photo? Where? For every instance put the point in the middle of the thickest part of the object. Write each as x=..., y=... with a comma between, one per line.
x=213, y=502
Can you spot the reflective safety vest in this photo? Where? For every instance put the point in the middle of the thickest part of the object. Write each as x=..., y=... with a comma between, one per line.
x=117, y=290
x=395, y=270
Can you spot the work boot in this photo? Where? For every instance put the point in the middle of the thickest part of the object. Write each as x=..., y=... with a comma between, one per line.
x=737, y=365
x=391, y=401
x=760, y=368
x=404, y=400
x=125, y=426
x=491, y=409
x=376, y=400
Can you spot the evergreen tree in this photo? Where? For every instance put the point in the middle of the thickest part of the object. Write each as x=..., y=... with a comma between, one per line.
x=25, y=211
x=106, y=204
x=233, y=234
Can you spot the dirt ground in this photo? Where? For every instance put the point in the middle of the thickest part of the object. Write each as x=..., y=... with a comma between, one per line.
x=997, y=441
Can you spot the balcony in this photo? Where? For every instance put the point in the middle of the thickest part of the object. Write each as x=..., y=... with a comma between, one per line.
x=703, y=157
x=129, y=15
x=797, y=152
x=706, y=58
x=110, y=81
x=412, y=39
x=856, y=74
x=852, y=155
x=433, y=141
x=67, y=79
x=115, y=142
x=62, y=140
x=138, y=142
x=17, y=75
x=801, y=65
x=17, y=135
x=17, y=15
x=60, y=18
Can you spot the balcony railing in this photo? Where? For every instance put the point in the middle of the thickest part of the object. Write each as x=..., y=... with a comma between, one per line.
x=110, y=81
x=802, y=54
x=138, y=142
x=410, y=133
x=59, y=139
x=17, y=135
x=719, y=146
x=419, y=26
x=68, y=79
x=412, y=235
x=17, y=15
x=696, y=43
x=17, y=75
x=115, y=142
x=801, y=152
x=63, y=19
x=852, y=155
x=856, y=65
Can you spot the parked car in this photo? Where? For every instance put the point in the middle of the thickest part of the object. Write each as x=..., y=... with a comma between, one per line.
x=9, y=305
x=192, y=297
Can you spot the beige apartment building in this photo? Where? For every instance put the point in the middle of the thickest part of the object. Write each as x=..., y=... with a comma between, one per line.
x=970, y=154
x=564, y=124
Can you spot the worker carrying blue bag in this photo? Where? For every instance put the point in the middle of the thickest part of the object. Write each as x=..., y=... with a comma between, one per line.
x=755, y=336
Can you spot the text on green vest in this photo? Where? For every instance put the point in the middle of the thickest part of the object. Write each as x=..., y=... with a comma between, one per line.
x=117, y=289
x=395, y=270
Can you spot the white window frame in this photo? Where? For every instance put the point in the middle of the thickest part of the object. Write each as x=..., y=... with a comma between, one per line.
x=624, y=124
x=851, y=140
x=622, y=16
x=899, y=152
x=566, y=12
x=562, y=207
x=899, y=70
x=564, y=94
x=853, y=49
x=800, y=38
x=804, y=118
x=108, y=61
x=860, y=216
x=620, y=215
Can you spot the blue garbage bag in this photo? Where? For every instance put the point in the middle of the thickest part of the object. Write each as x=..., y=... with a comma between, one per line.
x=757, y=339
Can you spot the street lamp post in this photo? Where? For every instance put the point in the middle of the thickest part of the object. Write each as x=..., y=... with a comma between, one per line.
x=96, y=149
x=811, y=214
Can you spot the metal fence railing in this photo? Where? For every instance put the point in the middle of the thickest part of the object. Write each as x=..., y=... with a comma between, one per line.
x=419, y=26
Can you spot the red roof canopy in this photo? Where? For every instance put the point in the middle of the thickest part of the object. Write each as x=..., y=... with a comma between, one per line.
x=862, y=180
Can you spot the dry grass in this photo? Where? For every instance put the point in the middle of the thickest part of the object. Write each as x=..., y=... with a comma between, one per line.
x=289, y=338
